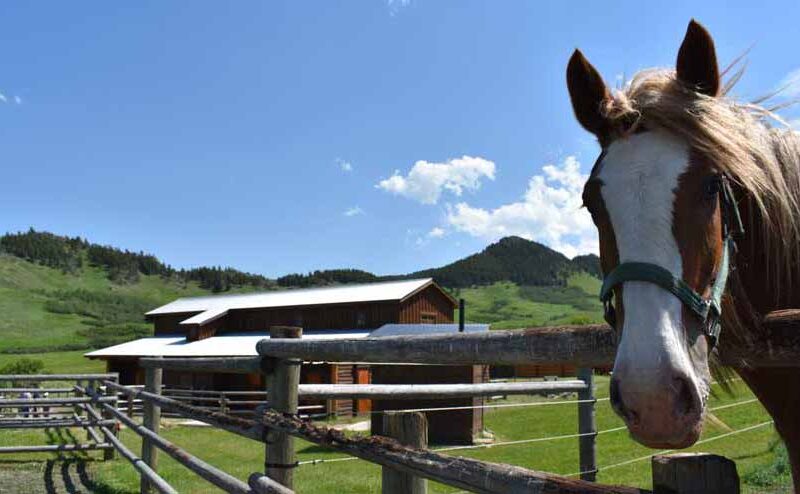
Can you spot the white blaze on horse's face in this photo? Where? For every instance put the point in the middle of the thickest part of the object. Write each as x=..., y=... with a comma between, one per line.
x=656, y=386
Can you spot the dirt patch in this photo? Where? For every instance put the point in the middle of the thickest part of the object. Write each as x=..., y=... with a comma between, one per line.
x=68, y=476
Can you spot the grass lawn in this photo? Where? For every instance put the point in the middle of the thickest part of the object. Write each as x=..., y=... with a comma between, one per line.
x=70, y=362
x=753, y=451
x=506, y=305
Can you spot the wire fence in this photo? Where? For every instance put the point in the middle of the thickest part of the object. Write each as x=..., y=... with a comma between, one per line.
x=667, y=451
x=551, y=438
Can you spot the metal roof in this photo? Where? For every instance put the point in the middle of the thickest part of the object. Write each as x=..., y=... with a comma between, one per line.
x=414, y=329
x=244, y=344
x=212, y=307
x=228, y=345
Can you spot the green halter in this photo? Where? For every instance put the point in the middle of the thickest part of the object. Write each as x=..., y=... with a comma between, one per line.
x=708, y=310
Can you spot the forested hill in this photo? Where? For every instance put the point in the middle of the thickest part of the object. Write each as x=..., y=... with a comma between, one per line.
x=69, y=254
x=510, y=259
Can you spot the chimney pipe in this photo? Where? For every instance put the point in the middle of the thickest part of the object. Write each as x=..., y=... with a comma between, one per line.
x=461, y=315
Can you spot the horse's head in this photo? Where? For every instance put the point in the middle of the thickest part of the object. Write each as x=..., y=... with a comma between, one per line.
x=659, y=206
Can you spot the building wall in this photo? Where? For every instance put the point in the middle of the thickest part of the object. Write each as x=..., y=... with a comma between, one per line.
x=428, y=306
x=168, y=323
x=344, y=316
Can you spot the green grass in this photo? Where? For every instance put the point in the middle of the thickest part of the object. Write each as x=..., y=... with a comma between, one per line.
x=753, y=451
x=69, y=362
x=506, y=305
x=26, y=289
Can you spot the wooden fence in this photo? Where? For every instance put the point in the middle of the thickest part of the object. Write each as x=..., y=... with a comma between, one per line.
x=405, y=459
x=31, y=403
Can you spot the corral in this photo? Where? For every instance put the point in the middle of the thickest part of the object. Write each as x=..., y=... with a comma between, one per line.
x=565, y=344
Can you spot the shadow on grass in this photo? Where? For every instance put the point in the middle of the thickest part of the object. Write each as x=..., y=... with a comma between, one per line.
x=76, y=479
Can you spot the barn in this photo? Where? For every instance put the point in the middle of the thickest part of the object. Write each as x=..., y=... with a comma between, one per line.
x=230, y=325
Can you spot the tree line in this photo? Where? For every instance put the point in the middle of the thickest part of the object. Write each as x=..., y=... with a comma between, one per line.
x=122, y=266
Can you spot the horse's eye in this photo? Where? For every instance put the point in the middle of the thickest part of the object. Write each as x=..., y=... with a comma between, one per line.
x=712, y=187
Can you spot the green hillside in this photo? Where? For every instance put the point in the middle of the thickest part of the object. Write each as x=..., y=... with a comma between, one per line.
x=65, y=295
x=506, y=305
x=46, y=309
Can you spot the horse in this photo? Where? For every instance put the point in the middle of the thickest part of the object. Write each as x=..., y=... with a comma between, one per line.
x=696, y=199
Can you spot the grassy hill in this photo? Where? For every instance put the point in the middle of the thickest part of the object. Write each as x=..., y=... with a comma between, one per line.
x=66, y=295
x=506, y=305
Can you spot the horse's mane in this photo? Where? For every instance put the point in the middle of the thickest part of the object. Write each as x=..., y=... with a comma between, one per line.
x=763, y=160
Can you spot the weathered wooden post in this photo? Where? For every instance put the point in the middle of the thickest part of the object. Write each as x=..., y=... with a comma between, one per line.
x=151, y=420
x=223, y=403
x=587, y=426
x=409, y=428
x=109, y=454
x=283, y=378
x=694, y=473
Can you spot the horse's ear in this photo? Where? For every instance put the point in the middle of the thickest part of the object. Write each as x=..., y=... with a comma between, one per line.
x=587, y=92
x=697, y=61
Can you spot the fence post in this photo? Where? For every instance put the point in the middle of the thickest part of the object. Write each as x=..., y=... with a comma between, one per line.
x=109, y=454
x=588, y=426
x=411, y=429
x=694, y=473
x=151, y=420
x=283, y=379
x=223, y=403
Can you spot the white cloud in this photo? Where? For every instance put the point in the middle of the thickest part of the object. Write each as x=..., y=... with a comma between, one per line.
x=436, y=232
x=426, y=181
x=790, y=85
x=354, y=211
x=345, y=166
x=550, y=212
x=3, y=98
x=395, y=6
x=18, y=100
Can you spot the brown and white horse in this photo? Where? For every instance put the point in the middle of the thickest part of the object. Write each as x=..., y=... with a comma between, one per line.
x=671, y=142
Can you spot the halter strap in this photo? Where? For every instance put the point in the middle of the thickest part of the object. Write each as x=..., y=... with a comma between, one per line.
x=708, y=310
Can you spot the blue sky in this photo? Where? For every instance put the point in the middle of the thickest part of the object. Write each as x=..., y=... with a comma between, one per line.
x=288, y=136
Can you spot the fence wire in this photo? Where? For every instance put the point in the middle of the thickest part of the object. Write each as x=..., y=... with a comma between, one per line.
x=667, y=451
x=549, y=438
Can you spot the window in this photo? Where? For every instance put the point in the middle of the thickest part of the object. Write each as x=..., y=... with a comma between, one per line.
x=361, y=319
x=428, y=318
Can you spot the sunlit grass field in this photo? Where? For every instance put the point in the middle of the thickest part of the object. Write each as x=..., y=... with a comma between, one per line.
x=754, y=451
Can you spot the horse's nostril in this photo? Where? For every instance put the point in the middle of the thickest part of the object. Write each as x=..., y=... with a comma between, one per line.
x=685, y=398
x=616, y=398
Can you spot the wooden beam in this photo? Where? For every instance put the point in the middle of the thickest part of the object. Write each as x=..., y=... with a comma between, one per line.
x=35, y=402
x=242, y=427
x=47, y=424
x=262, y=484
x=58, y=377
x=778, y=345
x=433, y=391
x=55, y=448
x=229, y=365
x=153, y=478
x=585, y=346
x=208, y=472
